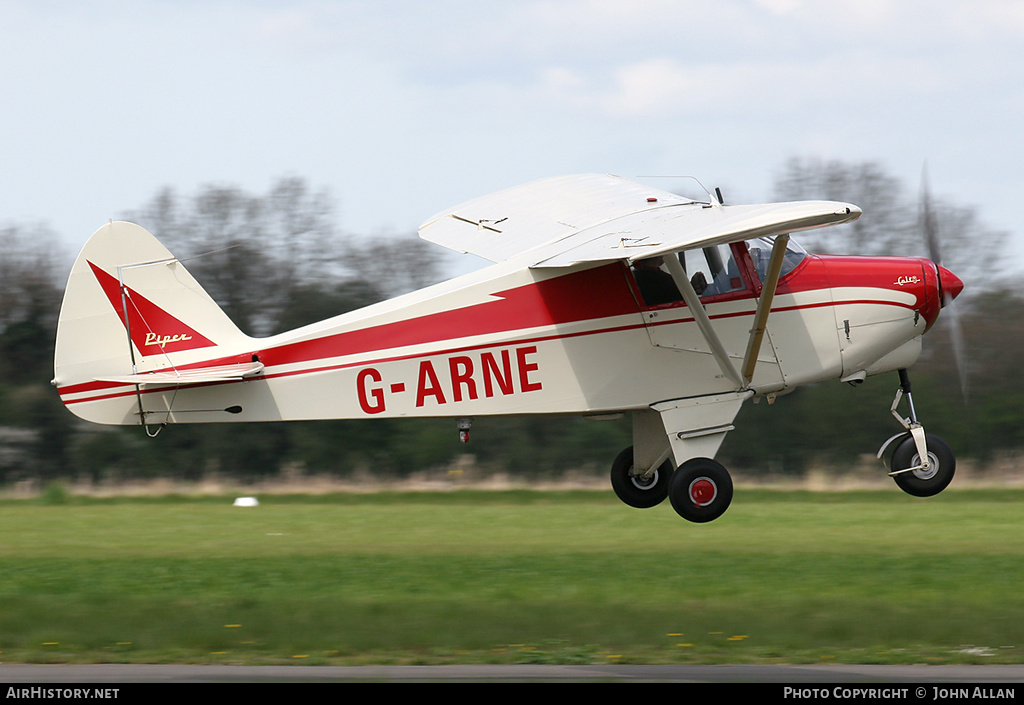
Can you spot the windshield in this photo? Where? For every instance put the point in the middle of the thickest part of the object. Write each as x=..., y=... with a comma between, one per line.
x=761, y=252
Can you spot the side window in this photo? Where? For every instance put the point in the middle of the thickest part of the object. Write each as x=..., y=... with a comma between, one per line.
x=712, y=271
x=654, y=282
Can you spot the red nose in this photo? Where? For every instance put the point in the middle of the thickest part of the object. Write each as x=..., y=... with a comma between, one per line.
x=950, y=285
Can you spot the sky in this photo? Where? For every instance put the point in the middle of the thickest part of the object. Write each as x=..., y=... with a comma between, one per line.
x=401, y=108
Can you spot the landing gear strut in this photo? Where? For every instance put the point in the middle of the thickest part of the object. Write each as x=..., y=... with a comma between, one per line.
x=921, y=464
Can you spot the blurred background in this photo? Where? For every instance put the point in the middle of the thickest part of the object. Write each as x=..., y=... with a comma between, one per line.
x=294, y=138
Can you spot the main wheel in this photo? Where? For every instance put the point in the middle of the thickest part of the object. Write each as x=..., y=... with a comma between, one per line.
x=634, y=490
x=701, y=490
x=923, y=483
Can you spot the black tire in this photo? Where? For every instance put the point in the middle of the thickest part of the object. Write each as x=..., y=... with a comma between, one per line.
x=701, y=490
x=632, y=490
x=920, y=483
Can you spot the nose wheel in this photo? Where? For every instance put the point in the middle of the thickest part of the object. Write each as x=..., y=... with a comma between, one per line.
x=921, y=464
x=916, y=477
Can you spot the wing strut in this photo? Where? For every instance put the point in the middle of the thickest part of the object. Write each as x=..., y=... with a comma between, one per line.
x=764, y=306
x=675, y=268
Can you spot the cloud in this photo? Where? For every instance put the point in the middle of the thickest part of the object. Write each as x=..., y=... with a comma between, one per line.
x=441, y=101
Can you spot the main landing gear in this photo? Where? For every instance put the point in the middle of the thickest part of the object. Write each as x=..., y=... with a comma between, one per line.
x=921, y=464
x=700, y=489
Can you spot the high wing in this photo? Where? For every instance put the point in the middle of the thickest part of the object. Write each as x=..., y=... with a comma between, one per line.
x=565, y=220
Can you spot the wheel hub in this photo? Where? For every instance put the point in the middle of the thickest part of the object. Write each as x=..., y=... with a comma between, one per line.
x=703, y=491
x=929, y=472
x=645, y=481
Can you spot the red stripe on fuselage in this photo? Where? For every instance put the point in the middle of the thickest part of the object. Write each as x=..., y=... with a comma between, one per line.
x=600, y=292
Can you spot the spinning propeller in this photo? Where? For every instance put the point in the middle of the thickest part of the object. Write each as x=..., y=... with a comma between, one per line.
x=949, y=284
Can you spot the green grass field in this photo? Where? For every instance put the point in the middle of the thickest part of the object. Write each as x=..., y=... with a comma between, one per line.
x=515, y=577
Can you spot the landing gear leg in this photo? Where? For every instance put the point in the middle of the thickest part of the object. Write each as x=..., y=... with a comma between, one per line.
x=922, y=464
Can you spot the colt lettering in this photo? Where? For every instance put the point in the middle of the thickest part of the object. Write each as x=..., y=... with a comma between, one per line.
x=907, y=280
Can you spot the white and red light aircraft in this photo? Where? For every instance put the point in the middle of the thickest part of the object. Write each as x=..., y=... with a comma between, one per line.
x=606, y=297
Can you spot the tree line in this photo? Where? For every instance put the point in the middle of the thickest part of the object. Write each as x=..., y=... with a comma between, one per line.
x=278, y=260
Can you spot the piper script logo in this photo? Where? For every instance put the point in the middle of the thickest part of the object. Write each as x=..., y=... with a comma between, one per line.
x=142, y=318
x=162, y=340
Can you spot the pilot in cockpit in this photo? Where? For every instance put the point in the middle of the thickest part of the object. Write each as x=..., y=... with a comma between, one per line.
x=656, y=285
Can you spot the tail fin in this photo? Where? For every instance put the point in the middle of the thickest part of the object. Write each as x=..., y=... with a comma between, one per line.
x=132, y=315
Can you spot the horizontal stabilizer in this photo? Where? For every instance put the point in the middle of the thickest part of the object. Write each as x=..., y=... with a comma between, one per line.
x=184, y=378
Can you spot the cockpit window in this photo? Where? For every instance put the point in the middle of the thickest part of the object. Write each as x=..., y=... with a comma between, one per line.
x=712, y=271
x=761, y=253
x=654, y=281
